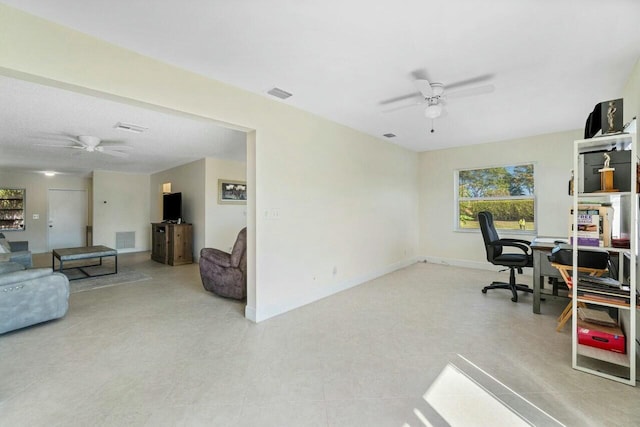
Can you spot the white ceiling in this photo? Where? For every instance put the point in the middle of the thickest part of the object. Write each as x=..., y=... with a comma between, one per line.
x=549, y=61
x=33, y=115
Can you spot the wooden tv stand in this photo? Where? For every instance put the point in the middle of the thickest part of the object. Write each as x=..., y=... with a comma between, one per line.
x=172, y=243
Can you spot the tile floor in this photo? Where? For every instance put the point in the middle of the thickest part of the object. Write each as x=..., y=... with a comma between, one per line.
x=165, y=352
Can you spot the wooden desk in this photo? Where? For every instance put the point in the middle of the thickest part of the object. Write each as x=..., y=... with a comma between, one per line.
x=542, y=268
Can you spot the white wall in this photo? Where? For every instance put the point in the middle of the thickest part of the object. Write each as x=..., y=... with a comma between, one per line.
x=121, y=204
x=37, y=186
x=631, y=94
x=223, y=221
x=552, y=156
x=188, y=179
x=346, y=200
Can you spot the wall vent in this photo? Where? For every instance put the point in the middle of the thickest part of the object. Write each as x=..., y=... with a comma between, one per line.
x=125, y=239
x=130, y=127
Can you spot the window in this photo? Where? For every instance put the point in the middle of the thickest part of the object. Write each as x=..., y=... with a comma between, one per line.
x=11, y=209
x=508, y=192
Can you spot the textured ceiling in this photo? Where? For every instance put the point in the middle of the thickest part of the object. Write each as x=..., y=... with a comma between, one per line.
x=549, y=61
x=34, y=115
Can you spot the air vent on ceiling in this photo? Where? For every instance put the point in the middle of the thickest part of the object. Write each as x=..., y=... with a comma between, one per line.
x=279, y=93
x=389, y=135
x=130, y=128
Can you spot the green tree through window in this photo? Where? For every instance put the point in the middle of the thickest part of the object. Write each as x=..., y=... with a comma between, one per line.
x=508, y=192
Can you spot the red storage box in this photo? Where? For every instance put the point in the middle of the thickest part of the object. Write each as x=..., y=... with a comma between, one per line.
x=604, y=337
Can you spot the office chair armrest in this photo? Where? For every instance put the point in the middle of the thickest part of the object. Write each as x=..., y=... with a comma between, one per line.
x=514, y=243
x=524, y=242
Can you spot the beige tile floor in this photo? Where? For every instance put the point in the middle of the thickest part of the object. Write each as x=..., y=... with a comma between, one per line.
x=165, y=352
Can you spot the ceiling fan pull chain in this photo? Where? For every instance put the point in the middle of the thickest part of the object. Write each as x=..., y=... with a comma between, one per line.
x=432, y=130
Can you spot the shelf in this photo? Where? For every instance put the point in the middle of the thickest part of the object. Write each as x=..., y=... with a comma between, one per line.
x=604, y=355
x=604, y=363
x=605, y=303
x=605, y=141
x=605, y=194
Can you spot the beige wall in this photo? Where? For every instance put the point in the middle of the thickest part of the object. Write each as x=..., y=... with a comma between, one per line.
x=121, y=204
x=37, y=186
x=332, y=207
x=552, y=156
x=189, y=180
x=631, y=94
x=214, y=225
x=223, y=222
x=346, y=202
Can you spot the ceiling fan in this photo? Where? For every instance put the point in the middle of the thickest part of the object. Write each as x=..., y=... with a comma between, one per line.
x=93, y=144
x=434, y=95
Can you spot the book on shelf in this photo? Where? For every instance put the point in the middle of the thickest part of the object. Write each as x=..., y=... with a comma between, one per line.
x=605, y=217
x=599, y=280
x=588, y=232
x=599, y=317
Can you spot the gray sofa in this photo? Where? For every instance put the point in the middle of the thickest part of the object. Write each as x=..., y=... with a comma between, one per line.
x=30, y=296
x=15, y=252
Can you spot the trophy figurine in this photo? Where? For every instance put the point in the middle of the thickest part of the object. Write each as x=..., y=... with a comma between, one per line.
x=606, y=175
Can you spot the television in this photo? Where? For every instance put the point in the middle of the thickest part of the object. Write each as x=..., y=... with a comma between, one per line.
x=171, y=207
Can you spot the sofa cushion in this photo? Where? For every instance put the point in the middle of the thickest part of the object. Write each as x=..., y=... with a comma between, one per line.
x=4, y=246
x=8, y=267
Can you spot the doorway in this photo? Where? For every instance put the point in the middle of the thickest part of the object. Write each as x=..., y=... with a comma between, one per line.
x=67, y=218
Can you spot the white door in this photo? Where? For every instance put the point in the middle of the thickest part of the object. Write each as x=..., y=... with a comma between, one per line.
x=67, y=218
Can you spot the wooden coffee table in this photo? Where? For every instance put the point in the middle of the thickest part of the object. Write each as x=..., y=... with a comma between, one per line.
x=85, y=252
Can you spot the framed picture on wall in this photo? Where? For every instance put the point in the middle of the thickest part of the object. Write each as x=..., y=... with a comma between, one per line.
x=232, y=192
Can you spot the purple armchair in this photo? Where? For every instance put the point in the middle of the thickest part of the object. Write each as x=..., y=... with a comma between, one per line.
x=226, y=274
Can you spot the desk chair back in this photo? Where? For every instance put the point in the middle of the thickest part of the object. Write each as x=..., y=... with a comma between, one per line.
x=517, y=255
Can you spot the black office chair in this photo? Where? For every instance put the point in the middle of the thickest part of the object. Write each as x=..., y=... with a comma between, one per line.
x=495, y=255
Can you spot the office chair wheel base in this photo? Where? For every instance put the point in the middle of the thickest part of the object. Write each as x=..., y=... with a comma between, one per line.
x=484, y=290
x=514, y=299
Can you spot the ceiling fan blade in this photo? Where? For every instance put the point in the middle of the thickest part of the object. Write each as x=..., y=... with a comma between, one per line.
x=473, y=80
x=59, y=146
x=402, y=107
x=116, y=146
x=400, y=98
x=479, y=90
x=113, y=153
x=424, y=87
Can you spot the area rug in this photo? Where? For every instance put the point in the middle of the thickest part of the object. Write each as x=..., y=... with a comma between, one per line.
x=124, y=276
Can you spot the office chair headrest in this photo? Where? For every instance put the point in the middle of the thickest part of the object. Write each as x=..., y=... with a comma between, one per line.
x=590, y=258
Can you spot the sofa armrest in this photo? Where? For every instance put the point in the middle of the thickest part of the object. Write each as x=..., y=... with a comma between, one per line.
x=22, y=245
x=216, y=256
x=24, y=275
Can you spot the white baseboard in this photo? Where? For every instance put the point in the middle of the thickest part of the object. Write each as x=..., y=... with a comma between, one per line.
x=263, y=313
x=250, y=313
x=465, y=263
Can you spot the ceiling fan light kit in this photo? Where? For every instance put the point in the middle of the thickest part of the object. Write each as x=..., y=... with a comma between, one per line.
x=433, y=111
x=434, y=96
